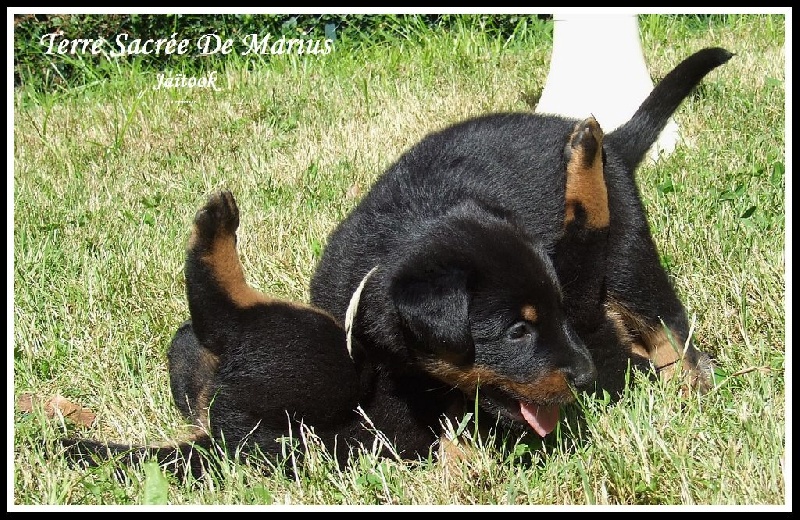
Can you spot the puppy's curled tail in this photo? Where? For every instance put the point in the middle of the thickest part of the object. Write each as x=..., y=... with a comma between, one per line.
x=635, y=137
x=193, y=457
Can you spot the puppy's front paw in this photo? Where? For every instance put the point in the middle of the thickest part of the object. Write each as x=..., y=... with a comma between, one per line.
x=217, y=219
x=671, y=359
x=696, y=372
x=703, y=373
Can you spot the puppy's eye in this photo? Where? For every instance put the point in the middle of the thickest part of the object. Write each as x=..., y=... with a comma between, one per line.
x=520, y=330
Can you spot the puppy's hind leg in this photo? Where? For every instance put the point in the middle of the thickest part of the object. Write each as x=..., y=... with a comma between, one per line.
x=582, y=250
x=583, y=265
x=586, y=193
x=191, y=373
x=582, y=256
x=215, y=285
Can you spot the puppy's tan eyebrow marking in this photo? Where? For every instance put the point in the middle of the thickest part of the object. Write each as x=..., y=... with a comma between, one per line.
x=529, y=313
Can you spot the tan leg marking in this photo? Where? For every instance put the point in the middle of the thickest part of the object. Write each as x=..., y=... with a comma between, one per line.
x=214, y=234
x=663, y=347
x=625, y=334
x=455, y=453
x=209, y=363
x=586, y=184
x=665, y=352
x=227, y=269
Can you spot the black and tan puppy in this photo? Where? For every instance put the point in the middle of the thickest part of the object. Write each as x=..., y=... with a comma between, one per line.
x=247, y=369
x=251, y=369
x=437, y=306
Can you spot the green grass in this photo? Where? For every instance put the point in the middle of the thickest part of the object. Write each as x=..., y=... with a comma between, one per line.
x=107, y=179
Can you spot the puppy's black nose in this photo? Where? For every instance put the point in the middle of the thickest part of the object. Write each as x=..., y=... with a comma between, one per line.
x=579, y=369
x=582, y=375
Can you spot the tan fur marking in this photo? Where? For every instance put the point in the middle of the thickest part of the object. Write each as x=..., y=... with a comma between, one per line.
x=529, y=313
x=655, y=344
x=227, y=269
x=196, y=433
x=456, y=452
x=228, y=272
x=453, y=451
x=551, y=387
x=639, y=350
x=634, y=328
x=586, y=184
x=631, y=322
x=614, y=313
x=459, y=460
x=664, y=352
x=209, y=362
x=200, y=412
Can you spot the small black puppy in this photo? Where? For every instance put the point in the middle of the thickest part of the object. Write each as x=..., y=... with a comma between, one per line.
x=442, y=229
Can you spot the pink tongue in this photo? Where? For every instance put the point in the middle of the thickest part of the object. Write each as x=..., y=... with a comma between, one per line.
x=543, y=419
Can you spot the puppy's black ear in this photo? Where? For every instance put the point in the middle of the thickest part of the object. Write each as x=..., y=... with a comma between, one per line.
x=433, y=306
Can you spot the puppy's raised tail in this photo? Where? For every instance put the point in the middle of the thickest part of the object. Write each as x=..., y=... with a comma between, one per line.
x=193, y=456
x=634, y=138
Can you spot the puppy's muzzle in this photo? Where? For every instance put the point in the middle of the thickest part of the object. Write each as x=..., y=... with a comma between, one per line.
x=577, y=364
